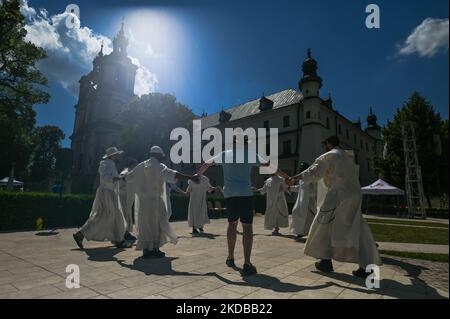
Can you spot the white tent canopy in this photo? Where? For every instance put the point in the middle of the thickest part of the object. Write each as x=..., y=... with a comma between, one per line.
x=380, y=187
x=4, y=182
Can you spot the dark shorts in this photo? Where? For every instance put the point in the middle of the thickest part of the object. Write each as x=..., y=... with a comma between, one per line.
x=240, y=208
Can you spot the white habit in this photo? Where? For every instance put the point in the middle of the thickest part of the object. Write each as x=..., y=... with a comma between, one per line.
x=339, y=230
x=126, y=196
x=106, y=221
x=305, y=207
x=277, y=213
x=198, y=209
x=151, y=208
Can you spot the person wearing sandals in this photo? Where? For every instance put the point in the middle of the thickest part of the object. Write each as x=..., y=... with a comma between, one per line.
x=238, y=196
x=106, y=221
x=339, y=230
x=149, y=180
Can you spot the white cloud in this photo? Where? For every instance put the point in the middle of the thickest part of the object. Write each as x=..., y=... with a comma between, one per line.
x=71, y=50
x=145, y=80
x=427, y=38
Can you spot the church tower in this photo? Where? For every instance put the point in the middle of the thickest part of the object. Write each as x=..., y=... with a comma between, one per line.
x=103, y=94
x=310, y=84
x=374, y=130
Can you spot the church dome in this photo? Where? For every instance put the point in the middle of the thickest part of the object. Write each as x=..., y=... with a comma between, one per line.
x=309, y=68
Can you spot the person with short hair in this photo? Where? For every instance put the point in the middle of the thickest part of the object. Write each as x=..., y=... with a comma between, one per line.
x=277, y=212
x=149, y=180
x=305, y=206
x=238, y=197
x=106, y=221
x=339, y=230
x=198, y=207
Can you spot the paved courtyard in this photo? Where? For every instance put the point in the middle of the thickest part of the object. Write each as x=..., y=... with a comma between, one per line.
x=33, y=265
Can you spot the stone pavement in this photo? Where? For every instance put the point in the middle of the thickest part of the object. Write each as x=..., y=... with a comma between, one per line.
x=33, y=265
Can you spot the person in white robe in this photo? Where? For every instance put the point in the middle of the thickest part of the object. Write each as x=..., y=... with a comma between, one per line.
x=277, y=212
x=106, y=220
x=172, y=187
x=339, y=230
x=126, y=196
x=198, y=208
x=305, y=206
x=149, y=180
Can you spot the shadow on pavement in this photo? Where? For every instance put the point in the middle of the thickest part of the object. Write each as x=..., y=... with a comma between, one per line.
x=269, y=282
x=391, y=288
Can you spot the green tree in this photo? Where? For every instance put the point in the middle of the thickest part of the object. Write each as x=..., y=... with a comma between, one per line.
x=47, y=145
x=150, y=119
x=431, y=138
x=21, y=85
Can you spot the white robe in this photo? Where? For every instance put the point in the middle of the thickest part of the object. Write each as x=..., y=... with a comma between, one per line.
x=151, y=210
x=106, y=221
x=305, y=207
x=198, y=209
x=126, y=200
x=277, y=213
x=339, y=230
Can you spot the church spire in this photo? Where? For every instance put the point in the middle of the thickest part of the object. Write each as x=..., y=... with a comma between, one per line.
x=120, y=42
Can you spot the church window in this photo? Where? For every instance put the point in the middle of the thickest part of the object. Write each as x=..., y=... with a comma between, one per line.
x=286, y=121
x=356, y=158
x=308, y=114
x=287, y=147
x=368, y=165
x=328, y=122
x=268, y=149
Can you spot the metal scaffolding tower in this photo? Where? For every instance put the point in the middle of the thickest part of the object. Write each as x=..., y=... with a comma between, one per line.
x=413, y=175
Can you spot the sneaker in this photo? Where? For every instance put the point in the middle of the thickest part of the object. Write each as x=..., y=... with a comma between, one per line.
x=78, y=237
x=248, y=270
x=129, y=236
x=324, y=265
x=361, y=273
x=230, y=263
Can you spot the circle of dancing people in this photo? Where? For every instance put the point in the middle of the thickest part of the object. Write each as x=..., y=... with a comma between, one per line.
x=327, y=209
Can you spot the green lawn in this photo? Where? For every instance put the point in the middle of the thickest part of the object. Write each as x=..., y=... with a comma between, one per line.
x=424, y=256
x=405, y=222
x=402, y=234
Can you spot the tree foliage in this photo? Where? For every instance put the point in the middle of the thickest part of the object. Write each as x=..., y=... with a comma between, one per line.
x=47, y=141
x=21, y=86
x=432, y=146
x=149, y=121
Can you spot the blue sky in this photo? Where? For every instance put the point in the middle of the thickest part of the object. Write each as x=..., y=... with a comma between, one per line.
x=214, y=54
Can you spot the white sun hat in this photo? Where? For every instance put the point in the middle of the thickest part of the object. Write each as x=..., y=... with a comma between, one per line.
x=157, y=150
x=111, y=151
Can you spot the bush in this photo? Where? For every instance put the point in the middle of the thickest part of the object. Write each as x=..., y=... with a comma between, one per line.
x=21, y=210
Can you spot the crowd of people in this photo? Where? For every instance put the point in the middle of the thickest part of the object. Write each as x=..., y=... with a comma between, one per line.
x=327, y=209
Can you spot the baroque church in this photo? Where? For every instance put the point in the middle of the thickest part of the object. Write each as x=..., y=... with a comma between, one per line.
x=103, y=94
x=303, y=119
